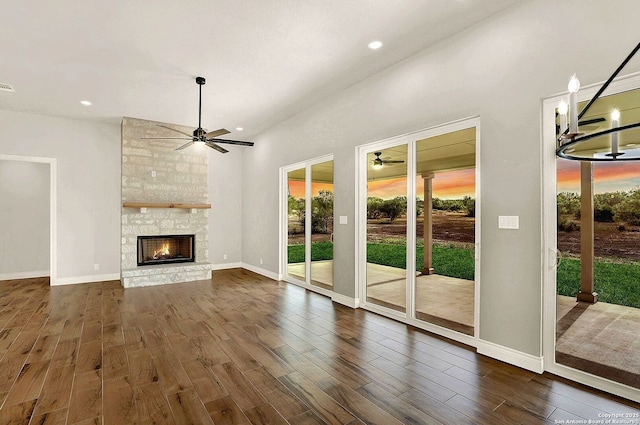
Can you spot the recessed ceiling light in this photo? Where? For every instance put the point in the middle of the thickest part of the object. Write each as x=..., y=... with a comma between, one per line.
x=85, y=102
x=239, y=128
x=375, y=45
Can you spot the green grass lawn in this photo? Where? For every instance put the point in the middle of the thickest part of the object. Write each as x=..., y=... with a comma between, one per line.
x=319, y=251
x=449, y=261
x=616, y=283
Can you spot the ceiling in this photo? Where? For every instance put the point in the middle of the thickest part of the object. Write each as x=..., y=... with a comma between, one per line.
x=263, y=60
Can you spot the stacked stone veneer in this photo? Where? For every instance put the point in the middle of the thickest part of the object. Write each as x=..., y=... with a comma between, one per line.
x=180, y=177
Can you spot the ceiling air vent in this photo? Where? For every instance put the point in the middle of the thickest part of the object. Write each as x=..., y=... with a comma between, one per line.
x=6, y=87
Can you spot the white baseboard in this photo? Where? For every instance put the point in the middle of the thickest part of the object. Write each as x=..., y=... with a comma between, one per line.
x=224, y=266
x=511, y=356
x=261, y=271
x=24, y=275
x=344, y=300
x=85, y=279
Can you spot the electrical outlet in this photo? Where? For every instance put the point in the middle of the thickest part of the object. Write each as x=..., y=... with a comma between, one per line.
x=96, y=267
x=224, y=257
x=261, y=261
x=153, y=173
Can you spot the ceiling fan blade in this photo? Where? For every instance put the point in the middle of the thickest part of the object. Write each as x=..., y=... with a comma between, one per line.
x=173, y=129
x=591, y=121
x=216, y=133
x=231, y=142
x=167, y=138
x=392, y=161
x=216, y=147
x=185, y=145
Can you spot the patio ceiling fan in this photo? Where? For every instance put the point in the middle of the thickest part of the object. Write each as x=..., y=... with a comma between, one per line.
x=379, y=162
x=200, y=135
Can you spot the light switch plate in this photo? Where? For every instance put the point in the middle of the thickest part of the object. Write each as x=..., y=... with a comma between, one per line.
x=508, y=222
x=343, y=219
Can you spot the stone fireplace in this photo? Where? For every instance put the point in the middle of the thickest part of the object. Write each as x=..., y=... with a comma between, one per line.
x=164, y=195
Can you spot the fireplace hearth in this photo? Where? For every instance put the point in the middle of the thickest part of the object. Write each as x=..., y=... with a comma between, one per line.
x=166, y=249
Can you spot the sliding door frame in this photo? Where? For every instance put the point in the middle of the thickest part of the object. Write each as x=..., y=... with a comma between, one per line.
x=284, y=224
x=410, y=140
x=550, y=243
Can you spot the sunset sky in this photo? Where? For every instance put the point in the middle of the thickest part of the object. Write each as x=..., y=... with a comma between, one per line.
x=607, y=177
x=448, y=185
x=296, y=188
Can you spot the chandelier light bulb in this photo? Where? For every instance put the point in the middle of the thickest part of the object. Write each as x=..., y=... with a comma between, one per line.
x=615, y=115
x=563, y=107
x=574, y=84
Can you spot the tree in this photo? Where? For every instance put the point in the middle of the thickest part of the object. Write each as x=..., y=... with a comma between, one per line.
x=374, y=207
x=628, y=210
x=394, y=208
x=322, y=216
x=469, y=205
x=419, y=207
x=604, y=204
x=296, y=207
x=568, y=204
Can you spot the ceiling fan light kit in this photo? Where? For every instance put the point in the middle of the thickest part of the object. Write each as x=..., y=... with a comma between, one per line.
x=602, y=145
x=201, y=136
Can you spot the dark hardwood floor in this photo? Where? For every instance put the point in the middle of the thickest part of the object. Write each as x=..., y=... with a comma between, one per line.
x=243, y=349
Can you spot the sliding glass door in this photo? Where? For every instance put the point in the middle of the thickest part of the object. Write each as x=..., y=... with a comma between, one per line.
x=296, y=223
x=321, y=211
x=308, y=223
x=418, y=242
x=445, y=230
x=386, y=247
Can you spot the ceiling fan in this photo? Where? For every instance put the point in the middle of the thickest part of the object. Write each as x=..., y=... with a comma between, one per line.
x=379, y=162
x=200, y=135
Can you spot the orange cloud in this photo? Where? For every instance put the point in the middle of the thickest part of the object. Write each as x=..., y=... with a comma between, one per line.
x=387, y=189
x=607, y=176
x=447, y=185
x=296, y=188
x=455, y=184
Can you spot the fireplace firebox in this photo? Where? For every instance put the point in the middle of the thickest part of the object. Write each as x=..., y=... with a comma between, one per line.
x=165, y=249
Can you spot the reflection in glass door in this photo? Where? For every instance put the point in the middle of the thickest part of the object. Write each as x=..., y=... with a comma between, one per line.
x=296, y=224
x=322, y=225
x=445, y=230
x=386, y=234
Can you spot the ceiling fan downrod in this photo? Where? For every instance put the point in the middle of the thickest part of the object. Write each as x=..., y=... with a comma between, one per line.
x=199, y=131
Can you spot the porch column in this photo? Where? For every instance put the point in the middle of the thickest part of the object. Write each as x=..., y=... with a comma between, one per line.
x=427, y=233
x=587, y=292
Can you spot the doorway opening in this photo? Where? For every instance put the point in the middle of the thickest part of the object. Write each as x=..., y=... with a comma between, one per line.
x=29, y=220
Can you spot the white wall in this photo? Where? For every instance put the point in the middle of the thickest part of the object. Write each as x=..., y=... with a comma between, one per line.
x=88, y=188
x=24, y=219
x=225, y=197
x=499, y=70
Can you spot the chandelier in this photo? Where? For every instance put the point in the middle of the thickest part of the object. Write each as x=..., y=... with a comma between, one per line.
x=611, y=144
